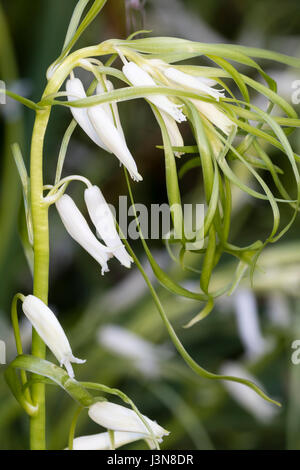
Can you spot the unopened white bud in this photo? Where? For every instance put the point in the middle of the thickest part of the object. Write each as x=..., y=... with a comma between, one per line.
x=215, y=115
x=138, y=77
x=103, y=220
x=50, y=330
x=78, y=228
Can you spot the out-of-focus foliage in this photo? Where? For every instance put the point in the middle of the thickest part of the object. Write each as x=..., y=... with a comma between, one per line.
x=200, y=414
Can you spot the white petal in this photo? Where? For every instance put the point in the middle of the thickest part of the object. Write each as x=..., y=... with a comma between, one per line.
x=110, y=87
x=113, y=140
x=173, y=131
x=138, y=77
x=248, y=323
x=103, y=220
x=50, y=330
x=245, y=396
x=207, y=81
x=115, y=118
x=76, y=91
x=217, y=117
x=77, y=227
x=106, y=106
x=189, y=81
x=101, y=441
x=119, y=418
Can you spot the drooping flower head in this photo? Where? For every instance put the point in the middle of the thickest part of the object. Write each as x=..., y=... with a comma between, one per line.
x=50, y=330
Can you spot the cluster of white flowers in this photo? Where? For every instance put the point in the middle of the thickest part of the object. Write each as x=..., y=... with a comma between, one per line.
x=103, y=220
x=102, y=123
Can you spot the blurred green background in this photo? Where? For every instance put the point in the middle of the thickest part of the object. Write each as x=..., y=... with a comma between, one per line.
x=253, y=330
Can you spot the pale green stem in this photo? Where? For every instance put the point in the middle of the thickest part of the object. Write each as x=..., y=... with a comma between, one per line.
x=41, y=267
x=39, y=211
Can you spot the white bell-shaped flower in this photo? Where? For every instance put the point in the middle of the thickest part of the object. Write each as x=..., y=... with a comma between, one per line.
x=111, y=108
x=50, y=330
x=203, y=86
x=191, y=82
x=78, y=228
x=112, y=138
x=102, y=124
x=103, y=220
x=139, y=77
x=119, y=418
x=75, y=90
x=102, y=440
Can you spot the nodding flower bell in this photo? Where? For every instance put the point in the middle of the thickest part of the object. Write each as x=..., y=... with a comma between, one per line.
x=103, y=220
x=119, y=418
x=138, y=77
x=99, y=124
x=76, y=91
x=78, y=228
x=199, y=84
x=49, y=329
x=191, y=82
x=111, y=108
x=109, y=134
x=102, y=440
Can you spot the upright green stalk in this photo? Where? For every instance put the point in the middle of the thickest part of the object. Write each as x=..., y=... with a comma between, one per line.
x=39, y=211
x=41, y=267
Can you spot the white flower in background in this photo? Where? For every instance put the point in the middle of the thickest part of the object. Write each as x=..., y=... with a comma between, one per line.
x=103, y=220
x=191, y=82
x=248, y=323
x=138, y=77
x=247, y=398
x=173, y=131
x=49, y=329
x=278, y=310
x=102, y=440
x=78, y=228
x=145, y=355
x=119, y=418
x=75, y=90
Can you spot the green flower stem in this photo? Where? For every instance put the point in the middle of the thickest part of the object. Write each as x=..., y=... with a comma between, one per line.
x=39, y=211
x=41, y=267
